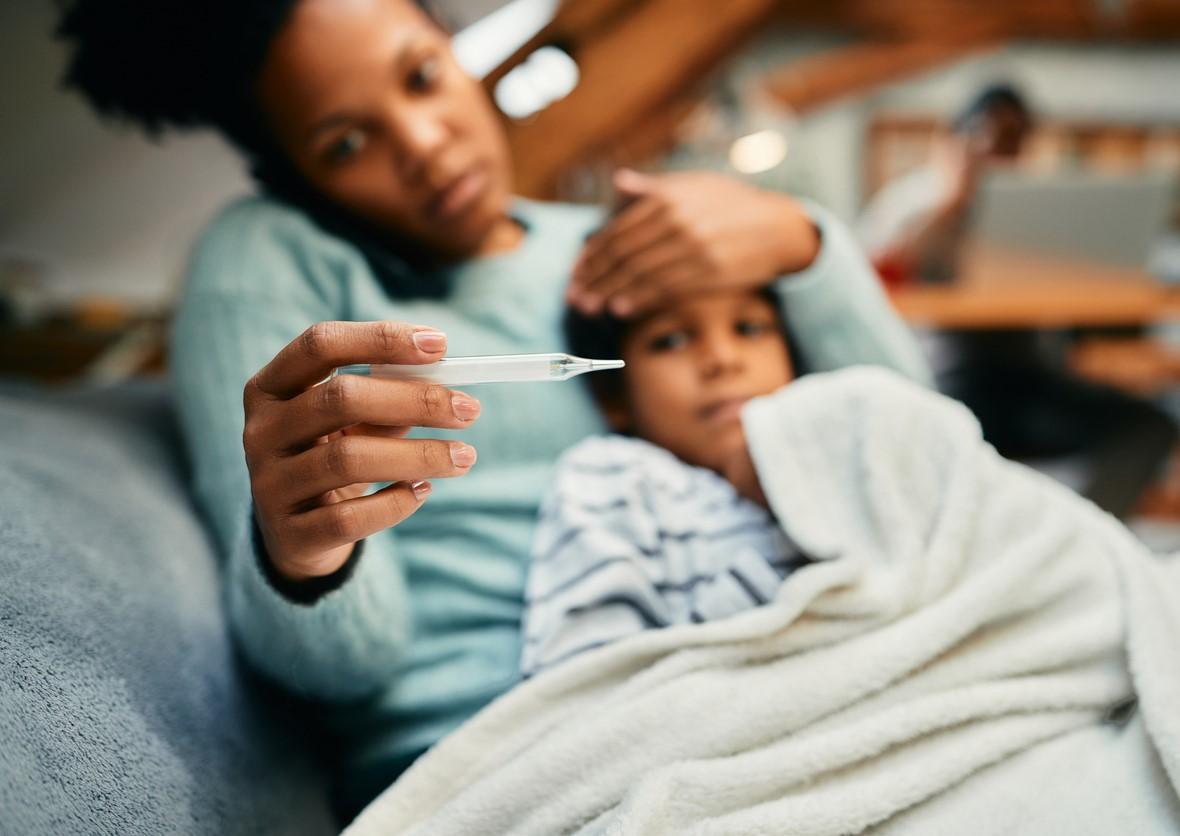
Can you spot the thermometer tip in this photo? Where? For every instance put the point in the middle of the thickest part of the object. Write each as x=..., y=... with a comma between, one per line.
x=603, y=365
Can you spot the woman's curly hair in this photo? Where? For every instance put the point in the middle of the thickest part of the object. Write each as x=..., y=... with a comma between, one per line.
x=174, y=63
x=161, y=64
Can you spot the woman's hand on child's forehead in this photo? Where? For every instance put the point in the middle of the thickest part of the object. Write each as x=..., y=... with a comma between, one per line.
x=685, y=232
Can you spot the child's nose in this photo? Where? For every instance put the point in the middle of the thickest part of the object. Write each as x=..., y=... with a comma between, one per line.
x=720, y=356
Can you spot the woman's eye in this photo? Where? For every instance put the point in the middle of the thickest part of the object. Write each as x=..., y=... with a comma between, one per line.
x=751, y=328
x=347, y=146
x=425, y=75
x=668, y=342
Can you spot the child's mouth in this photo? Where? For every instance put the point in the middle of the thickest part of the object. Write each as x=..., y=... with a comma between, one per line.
x=723, y=411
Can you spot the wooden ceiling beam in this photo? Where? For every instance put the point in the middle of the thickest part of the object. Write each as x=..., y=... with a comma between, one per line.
x=914, y=36
x=638, y=57
x=575, y=22
x=1153, y=20
x=643, y=55
x=944, y=19
x=812, y=82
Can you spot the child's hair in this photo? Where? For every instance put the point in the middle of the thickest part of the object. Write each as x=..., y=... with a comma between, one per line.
x=597, y=338
x=601, y=337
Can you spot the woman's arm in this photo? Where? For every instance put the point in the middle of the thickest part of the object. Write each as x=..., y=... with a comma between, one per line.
x=915, y=223
x=838, y=313
x=253, y=290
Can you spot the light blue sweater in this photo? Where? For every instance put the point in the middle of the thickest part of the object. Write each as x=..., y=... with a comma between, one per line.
x=427, y=630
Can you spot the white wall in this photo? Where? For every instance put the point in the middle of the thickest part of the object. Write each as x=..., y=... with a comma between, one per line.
x=1111, y=83
x=104, y=210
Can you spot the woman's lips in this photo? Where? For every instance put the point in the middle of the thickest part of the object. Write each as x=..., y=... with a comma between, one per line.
x=459, y=195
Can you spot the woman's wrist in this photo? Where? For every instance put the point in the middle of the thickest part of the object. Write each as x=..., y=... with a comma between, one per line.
x=796, y=237
x=303, y=590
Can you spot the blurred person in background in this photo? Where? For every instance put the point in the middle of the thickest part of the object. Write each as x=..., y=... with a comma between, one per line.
x=915, y=227
x=1030, y=408
x=385, y=200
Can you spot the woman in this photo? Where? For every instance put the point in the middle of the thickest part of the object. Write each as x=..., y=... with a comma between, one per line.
x=387, y=233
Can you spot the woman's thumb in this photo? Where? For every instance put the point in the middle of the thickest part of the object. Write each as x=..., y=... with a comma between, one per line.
x=631, y=183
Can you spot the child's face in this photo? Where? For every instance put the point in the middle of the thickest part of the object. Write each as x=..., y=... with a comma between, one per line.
x=691, y=366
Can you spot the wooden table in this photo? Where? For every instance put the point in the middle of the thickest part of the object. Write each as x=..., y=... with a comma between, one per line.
x=1001, y=290
x=1008, y=291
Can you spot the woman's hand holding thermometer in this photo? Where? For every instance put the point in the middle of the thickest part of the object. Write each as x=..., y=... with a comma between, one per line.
x=315, y=447
x=327, y=418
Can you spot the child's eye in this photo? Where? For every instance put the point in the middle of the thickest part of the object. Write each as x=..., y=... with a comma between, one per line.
x=752, y=328
x=347, y=146
x=425, y=75
x=669, y=341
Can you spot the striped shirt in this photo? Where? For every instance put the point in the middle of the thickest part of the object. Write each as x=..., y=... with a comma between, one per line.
x=631, y=538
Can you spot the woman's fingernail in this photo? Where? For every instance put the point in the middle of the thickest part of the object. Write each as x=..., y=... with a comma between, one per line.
x=432, y=342
x=421, y=489
x=466, y=408
x=591, y=304
x=620, y=307
x=463, y=455
x=628, y=178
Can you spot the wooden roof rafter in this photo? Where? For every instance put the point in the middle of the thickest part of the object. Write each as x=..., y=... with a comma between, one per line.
x=634, y=57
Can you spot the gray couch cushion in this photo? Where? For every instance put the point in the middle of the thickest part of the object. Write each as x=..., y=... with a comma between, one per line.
x=123, y=708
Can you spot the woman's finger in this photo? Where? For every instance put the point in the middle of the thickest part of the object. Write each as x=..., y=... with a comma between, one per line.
x=642, y=297
x=643, y=267
x=615, y=244
x=602, y=274
x=343, y=523
x=347, y=400
x=377, y=431
x=312, y=356
x=357, y=459
x=595, y=251
x=637, y=212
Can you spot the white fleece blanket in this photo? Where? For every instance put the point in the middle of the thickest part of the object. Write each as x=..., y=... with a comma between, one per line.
x=954, y=663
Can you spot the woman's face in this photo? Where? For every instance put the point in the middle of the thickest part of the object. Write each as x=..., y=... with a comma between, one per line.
x=368, y=103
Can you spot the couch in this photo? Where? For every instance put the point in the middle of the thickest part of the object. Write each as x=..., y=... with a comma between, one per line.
x=123, y=707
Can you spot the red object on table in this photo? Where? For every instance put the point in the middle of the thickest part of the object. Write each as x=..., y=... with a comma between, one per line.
x=894, y=271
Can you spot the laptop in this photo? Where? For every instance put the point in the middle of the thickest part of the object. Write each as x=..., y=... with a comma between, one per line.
x=1112, y=219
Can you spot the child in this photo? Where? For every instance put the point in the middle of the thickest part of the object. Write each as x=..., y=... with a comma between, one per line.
x=663, y=523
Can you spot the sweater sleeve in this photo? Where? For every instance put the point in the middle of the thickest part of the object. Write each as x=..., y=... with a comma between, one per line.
x=838, y=312
x=256, y=281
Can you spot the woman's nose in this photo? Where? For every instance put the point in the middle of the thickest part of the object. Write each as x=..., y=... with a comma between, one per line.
x=419, y=136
